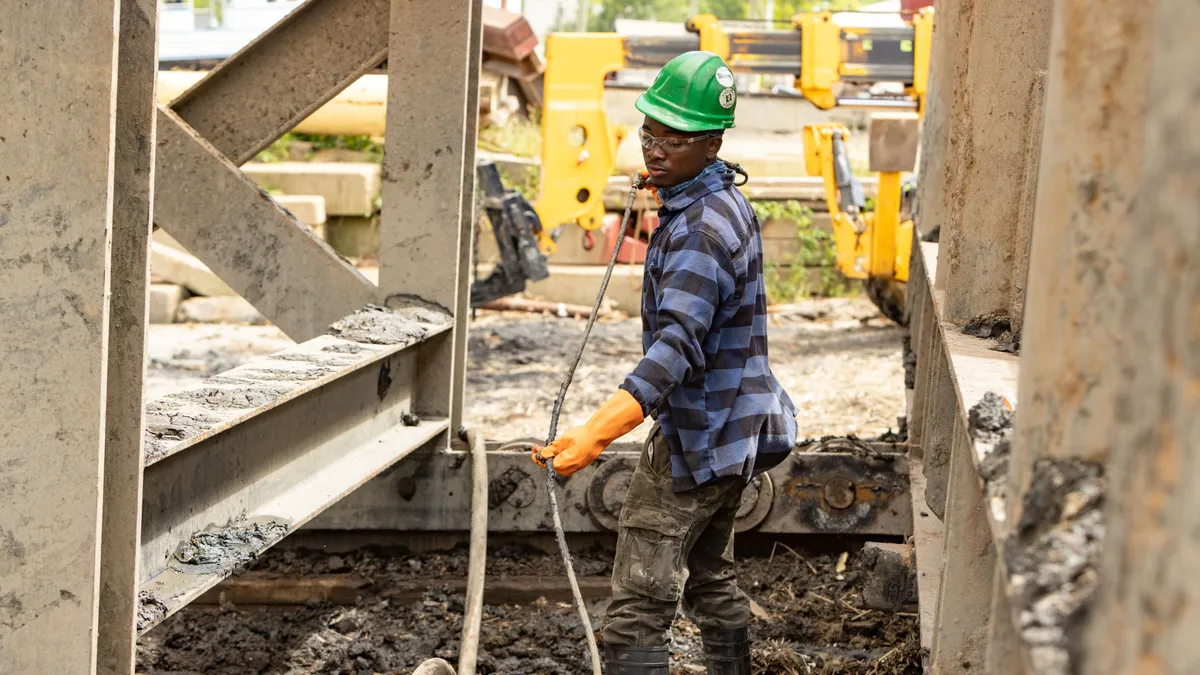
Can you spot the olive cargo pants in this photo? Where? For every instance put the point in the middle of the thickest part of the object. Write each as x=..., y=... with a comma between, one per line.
x=670, y=546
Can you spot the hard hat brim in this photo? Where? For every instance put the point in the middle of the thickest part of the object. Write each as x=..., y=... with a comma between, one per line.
x=672, y=118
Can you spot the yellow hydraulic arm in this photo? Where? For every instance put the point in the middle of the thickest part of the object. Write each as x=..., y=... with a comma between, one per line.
x=579, y=145
x=870, y=244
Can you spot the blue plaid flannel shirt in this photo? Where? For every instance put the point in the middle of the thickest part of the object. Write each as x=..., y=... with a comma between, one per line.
x=705, y=375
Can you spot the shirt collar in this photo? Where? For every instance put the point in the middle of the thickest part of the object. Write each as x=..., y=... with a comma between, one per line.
x=714, y=177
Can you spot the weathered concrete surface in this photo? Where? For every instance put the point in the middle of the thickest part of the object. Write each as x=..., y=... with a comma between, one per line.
x=266, y=255
x=58, y=84
x=277, y=80
x=349, y=188
x=892, y=579
x=1072, y=380
x=1149, y=603
x=468, y=216
x=1004, y=646
x=133, y=208
x=893, y=141
x=998, y=54
x=969, y=568
x=941, y=416
x=930, y=207
x=181, y=268
x=163, y=303
x=423, y=184
x=227, y=309
x=308, y=209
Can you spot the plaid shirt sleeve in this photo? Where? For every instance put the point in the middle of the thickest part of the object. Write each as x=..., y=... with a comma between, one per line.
x=698, y=276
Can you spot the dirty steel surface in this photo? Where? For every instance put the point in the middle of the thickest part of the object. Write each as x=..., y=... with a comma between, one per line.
x=809, y=619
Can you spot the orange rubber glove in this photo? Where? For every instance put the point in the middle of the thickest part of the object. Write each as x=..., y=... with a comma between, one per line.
x=581, y=445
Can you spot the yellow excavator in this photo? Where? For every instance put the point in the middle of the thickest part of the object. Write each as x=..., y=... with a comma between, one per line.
x=579, y=145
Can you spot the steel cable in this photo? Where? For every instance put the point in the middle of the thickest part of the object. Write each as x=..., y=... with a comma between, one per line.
x=636, y=183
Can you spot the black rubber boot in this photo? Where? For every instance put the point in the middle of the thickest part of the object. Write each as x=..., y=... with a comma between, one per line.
x=636, y=660
x=727, y=652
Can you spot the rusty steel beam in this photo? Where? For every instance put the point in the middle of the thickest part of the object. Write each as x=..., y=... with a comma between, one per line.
x=288, y=273
x=425, y=158
x=242, y=106
x=58, y=81
x=133, y=203
x=467, y=218
x=271, y=84
x=238, y=462
x=811, y=492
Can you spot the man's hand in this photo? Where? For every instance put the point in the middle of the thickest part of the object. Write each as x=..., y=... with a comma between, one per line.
x=581, y=445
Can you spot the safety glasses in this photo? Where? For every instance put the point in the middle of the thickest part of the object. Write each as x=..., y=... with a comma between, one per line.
x=669, y=145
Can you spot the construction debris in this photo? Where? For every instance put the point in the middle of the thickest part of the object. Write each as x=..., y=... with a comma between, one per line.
x=151, y=609
x=1052, y=558
x=226, y=548
x=223, y=309
x=891, y=576
x=393, y=632
x=991, y=325
x=381, y=326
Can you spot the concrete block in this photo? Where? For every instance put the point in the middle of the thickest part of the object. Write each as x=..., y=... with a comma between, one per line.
x=178, y=267
x=893, y=142
x=219, y=310
x=164, y=302
x=353, y=236
x=891, y=576
x=160, y=236
x=349, y=188
x=308, y=209
x=577, y=285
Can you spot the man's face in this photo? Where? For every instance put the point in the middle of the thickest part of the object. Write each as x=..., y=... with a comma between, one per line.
x=676, y=156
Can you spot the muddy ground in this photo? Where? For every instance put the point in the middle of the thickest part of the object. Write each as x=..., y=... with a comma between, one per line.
x=838, y=359
x=809, y=619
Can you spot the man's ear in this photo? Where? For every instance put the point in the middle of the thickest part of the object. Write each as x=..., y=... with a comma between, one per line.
x=714, y=147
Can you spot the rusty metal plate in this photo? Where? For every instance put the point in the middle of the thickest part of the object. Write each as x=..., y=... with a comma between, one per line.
x=841, y=493
x=826, y=493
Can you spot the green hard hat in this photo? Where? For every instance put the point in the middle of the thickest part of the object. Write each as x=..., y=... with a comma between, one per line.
x=693, y=92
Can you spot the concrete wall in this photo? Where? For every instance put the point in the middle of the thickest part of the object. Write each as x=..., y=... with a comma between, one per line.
x=994, y=131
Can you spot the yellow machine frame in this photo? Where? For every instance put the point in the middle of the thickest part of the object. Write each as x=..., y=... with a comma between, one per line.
x=869, y=245
x=579, y=145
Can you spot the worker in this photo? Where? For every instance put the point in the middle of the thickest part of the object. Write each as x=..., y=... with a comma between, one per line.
x=721, y=416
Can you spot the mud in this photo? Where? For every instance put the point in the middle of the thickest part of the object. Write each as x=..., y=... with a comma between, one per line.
x=991, y=325
x=988, y=419
x=381, y=326
x=910, y=362
x=150, y=610
x=1009, y=342
x=810, y=619
x=226, y=548
x=1052, y=557
x=838, y=359
x=241, y=398
x=990, y=424
x=344, y=348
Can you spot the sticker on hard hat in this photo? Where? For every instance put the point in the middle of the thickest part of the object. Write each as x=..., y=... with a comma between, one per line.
x=727, y=98
x=724, y=77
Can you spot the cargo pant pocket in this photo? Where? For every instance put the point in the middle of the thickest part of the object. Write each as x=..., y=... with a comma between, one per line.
x=650, y=552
